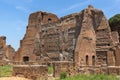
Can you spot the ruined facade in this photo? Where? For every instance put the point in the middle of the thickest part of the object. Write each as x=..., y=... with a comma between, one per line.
x=2, y=47
x=6, y=51
x=84, y=38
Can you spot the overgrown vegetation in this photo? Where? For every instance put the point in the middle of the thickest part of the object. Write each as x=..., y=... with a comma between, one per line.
x=92, y=77
x=6, y=71
x=50, y=69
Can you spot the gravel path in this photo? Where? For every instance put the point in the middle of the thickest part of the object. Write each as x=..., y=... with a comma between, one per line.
x=13, y=78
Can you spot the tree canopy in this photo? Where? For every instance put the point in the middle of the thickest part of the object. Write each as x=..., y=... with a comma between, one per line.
x=115, y=21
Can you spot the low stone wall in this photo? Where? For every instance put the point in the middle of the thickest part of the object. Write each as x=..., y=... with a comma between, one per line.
x=32, y=63
x=114, y=70
x=93, y=70
x=2, y=63
x=71, y=69
x=34, y=72
x=111, y=70
x=63, y=66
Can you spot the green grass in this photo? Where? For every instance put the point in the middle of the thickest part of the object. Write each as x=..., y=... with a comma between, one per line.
x=6, y=71
x=92, y=77
x=50, y=69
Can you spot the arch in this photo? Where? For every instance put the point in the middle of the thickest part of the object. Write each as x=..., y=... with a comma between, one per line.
x=87, y=58
x=25, y=58
x=93, y=60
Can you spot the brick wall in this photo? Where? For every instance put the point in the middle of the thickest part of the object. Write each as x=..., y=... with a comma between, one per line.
x=31, y=71
x=63, y=66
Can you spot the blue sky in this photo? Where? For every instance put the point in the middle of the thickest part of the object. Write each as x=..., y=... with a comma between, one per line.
x=14, y=13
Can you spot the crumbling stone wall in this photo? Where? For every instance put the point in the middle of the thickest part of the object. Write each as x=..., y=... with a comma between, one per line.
x=2, y=47
x=84, y=38
x=64, y=67
x=58, y=38
x=6, y=51
x=10, y=52
x=115, y=37
x=117, y=54
x=114, y=70
x=34, y=72
x=85, y=51
x=27, y=45
x=48, y=38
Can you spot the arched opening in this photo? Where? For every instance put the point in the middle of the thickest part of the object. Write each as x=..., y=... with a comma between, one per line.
x=93, y=60
x=25, y=58
x=49, y=20
x=87, y=63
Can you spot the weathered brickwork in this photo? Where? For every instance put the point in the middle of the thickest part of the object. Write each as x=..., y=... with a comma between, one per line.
x=6, y=51
x=84, y=39
x=34, y=72
x=2, y=47
x=52, y=39
x=29, y=42
x=64, y=67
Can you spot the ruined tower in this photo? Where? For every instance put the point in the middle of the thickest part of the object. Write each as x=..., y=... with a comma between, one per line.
x=27, y=45
x=6, y=51
x=85, y=52
x=2, y=47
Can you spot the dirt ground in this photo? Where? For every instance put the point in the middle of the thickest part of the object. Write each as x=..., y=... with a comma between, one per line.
x=13, y=78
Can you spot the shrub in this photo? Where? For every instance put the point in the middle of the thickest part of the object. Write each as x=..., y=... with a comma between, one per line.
x=50, y=69
x=63, y=75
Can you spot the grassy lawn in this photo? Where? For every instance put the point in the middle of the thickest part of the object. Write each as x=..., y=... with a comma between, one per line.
x=91, y=77
x=5, y=71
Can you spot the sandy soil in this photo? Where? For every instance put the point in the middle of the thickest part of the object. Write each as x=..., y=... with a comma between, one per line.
x=13, y=78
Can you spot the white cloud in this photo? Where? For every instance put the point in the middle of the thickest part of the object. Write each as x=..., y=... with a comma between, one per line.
x=21, y=8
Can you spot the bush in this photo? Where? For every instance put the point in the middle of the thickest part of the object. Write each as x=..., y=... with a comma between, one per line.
x=63, y=75
x=50, y=69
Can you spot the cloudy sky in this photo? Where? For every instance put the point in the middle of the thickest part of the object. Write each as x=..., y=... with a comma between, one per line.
x=14, y=13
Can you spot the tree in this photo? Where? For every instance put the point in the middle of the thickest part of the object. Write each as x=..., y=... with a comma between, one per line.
x=115, y=22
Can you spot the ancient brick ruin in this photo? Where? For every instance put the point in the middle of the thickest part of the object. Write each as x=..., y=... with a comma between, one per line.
x=6, y=51
x=83, y=41
x=84, y=37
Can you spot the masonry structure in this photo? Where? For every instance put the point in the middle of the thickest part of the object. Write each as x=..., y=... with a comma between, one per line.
x=6, y=52
x=83, y=39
